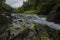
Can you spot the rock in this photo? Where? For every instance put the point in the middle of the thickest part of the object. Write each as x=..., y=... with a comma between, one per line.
x=54, y=15
x=43, y=32
x=4, y=20
x=40, y=32
x=46, y=33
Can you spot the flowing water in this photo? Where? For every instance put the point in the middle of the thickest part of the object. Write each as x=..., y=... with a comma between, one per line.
x=34, y=18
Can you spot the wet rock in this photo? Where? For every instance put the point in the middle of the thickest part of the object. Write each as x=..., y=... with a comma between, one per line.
x=41, y=32
x=44, y=32
x=24, y=35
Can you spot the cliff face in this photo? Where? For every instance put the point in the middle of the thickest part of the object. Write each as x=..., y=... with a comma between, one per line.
x=54, y=14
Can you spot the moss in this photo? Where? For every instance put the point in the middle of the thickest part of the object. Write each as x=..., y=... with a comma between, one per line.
x=25, y=30
x=30, y=11
x=32, y=26
x=44, y=37
x=39, y=37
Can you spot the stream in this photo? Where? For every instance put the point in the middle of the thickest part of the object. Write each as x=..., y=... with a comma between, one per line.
x=34, y=18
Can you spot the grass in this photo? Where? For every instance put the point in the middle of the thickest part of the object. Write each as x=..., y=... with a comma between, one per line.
x=30, y=11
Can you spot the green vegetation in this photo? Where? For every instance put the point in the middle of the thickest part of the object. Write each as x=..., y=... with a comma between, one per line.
x=30, y=12
x=41, y=6
x=15, y=10
x=4, y=8
x=32, y=26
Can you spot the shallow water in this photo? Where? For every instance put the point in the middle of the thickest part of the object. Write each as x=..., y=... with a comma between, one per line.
x=36, y=19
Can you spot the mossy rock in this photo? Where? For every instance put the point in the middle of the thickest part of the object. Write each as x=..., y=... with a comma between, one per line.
x=32, y=26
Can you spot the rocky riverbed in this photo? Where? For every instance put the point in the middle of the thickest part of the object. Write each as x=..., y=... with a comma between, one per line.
x=30, y=27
